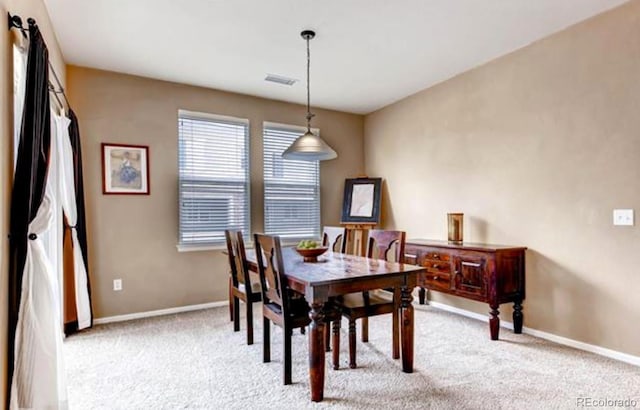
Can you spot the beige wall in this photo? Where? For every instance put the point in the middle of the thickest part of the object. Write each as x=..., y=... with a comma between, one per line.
x=536, y=148
x=135, y=237
x=25, y=9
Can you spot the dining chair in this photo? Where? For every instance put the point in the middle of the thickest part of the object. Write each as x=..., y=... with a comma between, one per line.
x=385, y=245
x=241, y=285
x=278, y=305
x=335, y=237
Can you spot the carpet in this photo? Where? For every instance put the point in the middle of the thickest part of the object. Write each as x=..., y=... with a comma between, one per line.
x=194, y=360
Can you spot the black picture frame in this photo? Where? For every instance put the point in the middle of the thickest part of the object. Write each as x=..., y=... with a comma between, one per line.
x=361, y=203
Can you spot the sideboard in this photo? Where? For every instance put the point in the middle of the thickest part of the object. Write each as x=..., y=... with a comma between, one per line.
x=493, y=274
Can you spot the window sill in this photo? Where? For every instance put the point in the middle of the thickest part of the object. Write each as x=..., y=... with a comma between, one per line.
x=198, y=248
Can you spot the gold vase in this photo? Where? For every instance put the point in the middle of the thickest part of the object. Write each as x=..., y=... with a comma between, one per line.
x=454, y=224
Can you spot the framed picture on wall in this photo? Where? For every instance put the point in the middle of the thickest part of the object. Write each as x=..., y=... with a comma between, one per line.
x=125, y=169
x=361, y=202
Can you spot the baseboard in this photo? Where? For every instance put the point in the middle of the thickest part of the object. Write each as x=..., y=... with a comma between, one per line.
x=160, y=312
x=612, y=354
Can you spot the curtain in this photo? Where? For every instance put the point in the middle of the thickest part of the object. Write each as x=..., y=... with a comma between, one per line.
x=34, y=333
x=81, y=224
x=67, y=193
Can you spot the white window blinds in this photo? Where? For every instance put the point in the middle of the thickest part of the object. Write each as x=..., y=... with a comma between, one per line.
x=291, y=188
x=213, y=177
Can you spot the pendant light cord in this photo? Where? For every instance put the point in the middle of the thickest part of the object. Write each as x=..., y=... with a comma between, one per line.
x=309, y=115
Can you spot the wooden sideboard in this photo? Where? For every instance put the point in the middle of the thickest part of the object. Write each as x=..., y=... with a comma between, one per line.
x=493, y=274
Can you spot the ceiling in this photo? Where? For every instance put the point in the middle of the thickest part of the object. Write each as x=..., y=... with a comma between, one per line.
x=367, y=53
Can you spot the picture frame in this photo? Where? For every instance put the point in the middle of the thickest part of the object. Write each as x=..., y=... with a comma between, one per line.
x=125, y=169
x=361, y=203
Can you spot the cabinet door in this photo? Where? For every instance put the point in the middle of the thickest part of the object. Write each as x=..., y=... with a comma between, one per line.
x=470, y=275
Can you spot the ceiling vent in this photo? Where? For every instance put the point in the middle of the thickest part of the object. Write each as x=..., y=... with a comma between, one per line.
x=280, y=79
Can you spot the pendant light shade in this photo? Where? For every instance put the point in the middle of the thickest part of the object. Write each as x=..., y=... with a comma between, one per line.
x=309, y=147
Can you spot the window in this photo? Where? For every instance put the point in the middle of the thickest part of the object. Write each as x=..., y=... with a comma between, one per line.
x=291, y=188
x=213, y=166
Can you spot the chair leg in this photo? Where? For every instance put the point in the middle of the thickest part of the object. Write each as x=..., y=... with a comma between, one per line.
x=327, y=337
x=365, y=329
x=230, y=300
x=236, y=314
x=266, y=342
x=395, y=339
x=249, y=323
x=288, y=333
x=336, y=344
x=352, y=344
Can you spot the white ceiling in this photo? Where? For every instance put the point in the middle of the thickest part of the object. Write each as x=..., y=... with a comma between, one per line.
x=367, y=53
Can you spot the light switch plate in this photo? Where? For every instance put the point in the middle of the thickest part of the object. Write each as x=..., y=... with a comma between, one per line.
x=623, y=217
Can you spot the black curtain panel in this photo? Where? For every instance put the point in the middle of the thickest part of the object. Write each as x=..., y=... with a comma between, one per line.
x=81, y=225
x=30, y=174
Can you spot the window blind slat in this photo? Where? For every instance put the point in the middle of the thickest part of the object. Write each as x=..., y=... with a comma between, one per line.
x=291, y=189
x=213, y=165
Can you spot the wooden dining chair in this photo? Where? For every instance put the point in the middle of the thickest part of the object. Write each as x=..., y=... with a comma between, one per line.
x=278, y=305
x=362, y=305
x=241, y=285
x=335, y=237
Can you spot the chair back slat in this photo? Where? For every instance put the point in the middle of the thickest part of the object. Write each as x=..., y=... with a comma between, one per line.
x=335, y=237
x=271, y=269
x=381, y=242
x=237, y=259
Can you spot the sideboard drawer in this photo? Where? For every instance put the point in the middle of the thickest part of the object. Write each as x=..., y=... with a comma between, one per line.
x=436, y=281
x=436, y=255
x=437, y=266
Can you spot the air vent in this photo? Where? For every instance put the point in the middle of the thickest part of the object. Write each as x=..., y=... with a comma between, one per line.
x=280, y=79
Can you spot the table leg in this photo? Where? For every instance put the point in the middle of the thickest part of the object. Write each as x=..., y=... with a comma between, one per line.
x=494, y=321
x=316, y=351
x=407, y=329
x=517, y=316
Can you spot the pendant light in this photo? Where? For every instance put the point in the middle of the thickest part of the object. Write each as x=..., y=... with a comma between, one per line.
x=309, y=147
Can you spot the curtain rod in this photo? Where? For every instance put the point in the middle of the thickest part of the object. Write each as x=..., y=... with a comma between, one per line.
x=16, y=22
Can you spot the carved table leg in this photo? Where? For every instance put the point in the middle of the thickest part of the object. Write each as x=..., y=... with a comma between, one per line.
x=422, y=295
x=316, y=352
x=406, y=309
x=494, y=322
x=518, y=317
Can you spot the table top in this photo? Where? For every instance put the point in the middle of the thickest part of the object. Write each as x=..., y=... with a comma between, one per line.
x=471, y=246
x=333, y=267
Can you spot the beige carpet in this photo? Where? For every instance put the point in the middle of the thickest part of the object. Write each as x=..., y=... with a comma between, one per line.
x=195, y=360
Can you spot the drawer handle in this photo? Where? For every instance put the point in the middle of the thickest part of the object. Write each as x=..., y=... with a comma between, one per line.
x=435, y=277
x=436, y=266
x=436, y=256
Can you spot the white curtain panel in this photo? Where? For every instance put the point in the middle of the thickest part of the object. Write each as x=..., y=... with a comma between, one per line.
x=20, y=48
x=68, y=200
x=39, y=378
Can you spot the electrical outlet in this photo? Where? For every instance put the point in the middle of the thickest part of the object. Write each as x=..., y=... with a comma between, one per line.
x=117, y=284
x=623, y=217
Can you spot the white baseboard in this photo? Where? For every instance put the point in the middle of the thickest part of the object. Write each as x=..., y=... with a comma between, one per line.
x=612, y=354
x=160, y=312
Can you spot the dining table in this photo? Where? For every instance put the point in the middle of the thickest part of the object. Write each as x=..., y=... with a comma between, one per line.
x=335, y=274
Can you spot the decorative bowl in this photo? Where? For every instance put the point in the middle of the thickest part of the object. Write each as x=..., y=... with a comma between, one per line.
x=311, y=255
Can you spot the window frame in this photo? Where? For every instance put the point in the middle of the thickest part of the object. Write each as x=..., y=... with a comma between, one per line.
x=202, y=116
x=298, y=130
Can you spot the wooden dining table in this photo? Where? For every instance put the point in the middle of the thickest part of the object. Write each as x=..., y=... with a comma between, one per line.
x=336, y=274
